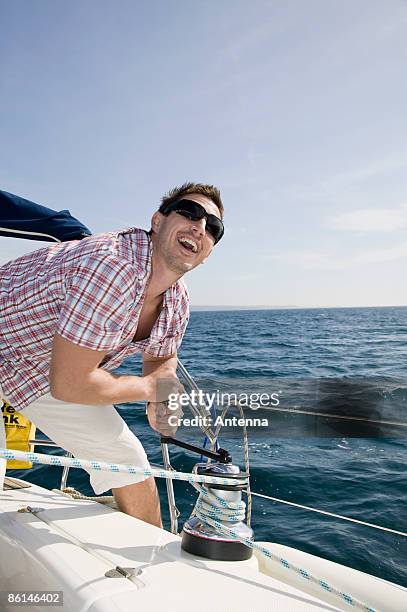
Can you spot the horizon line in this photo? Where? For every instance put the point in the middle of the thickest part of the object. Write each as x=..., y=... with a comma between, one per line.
x=220, y=307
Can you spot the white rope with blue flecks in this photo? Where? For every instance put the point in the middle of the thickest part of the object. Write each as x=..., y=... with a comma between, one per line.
x=220, y=514
x=210, y=508
x=101, y=466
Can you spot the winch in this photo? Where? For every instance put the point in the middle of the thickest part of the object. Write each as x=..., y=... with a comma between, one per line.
x=198, y=537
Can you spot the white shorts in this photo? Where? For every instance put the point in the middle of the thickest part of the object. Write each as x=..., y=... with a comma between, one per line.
x=91, y=432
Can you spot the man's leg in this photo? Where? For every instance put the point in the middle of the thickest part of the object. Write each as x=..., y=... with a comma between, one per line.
x=99, y=433
x=140, y=500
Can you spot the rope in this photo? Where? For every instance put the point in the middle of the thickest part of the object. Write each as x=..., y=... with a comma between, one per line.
x=247, y=468
x=73, y=493
x=340, y=516
x=222, y=515
x=211, y=509
x=337, y=416
x=246, y=454
x=101, y=466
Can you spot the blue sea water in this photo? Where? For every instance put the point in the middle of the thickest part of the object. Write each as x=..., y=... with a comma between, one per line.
x=318, y=359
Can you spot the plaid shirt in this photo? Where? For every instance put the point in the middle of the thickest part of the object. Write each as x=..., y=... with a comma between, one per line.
x=91, y=293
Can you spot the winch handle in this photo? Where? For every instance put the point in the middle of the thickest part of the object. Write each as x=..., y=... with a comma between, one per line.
x=221, y=455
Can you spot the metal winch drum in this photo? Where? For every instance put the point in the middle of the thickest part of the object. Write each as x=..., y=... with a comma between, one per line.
x=201, y=539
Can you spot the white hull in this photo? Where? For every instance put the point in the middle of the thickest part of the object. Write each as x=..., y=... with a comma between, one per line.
x=70, y=545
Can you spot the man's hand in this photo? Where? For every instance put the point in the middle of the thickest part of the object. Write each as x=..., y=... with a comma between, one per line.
x=161, y=378
x=162, y=385
x=162, y=419
x=160, y=373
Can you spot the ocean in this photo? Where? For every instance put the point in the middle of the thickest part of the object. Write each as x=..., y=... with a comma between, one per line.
x=336, y=440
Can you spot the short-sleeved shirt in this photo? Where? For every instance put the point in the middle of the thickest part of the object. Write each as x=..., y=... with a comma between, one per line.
x=91, y=292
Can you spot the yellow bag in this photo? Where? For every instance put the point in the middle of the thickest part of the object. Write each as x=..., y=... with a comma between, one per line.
x=19, y=431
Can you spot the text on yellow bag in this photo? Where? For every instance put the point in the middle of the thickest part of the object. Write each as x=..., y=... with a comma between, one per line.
x=19, y=431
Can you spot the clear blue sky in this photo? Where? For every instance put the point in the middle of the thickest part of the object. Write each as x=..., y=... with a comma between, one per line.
x=296, y=110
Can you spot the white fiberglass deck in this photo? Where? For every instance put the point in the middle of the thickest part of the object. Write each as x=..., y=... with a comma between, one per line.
x=70, y=545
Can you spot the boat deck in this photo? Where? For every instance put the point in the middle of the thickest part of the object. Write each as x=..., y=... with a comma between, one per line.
x=69, y=545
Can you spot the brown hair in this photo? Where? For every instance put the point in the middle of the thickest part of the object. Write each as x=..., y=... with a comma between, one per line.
x=178, y=193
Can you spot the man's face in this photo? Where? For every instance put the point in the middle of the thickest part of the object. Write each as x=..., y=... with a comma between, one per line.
x=183, y=243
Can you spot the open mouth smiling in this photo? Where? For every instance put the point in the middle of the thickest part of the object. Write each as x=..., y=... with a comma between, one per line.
x=188, y=244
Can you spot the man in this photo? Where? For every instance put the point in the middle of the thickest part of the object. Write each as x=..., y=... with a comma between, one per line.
x=72, y=312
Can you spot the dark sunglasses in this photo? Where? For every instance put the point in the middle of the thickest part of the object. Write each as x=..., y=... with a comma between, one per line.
x=195, y=212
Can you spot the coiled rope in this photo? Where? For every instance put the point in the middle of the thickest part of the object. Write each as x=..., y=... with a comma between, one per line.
x=222, y=515
x=210, y=508
x=107, y=500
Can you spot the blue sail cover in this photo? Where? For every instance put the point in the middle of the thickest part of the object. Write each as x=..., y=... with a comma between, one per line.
x=20, y=218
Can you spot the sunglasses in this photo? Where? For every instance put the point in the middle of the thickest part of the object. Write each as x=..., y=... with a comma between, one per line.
x=195, y=212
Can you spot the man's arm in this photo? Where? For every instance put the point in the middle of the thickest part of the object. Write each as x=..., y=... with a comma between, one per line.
x=158, y=413
x=75, y=377
x=164, y=365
